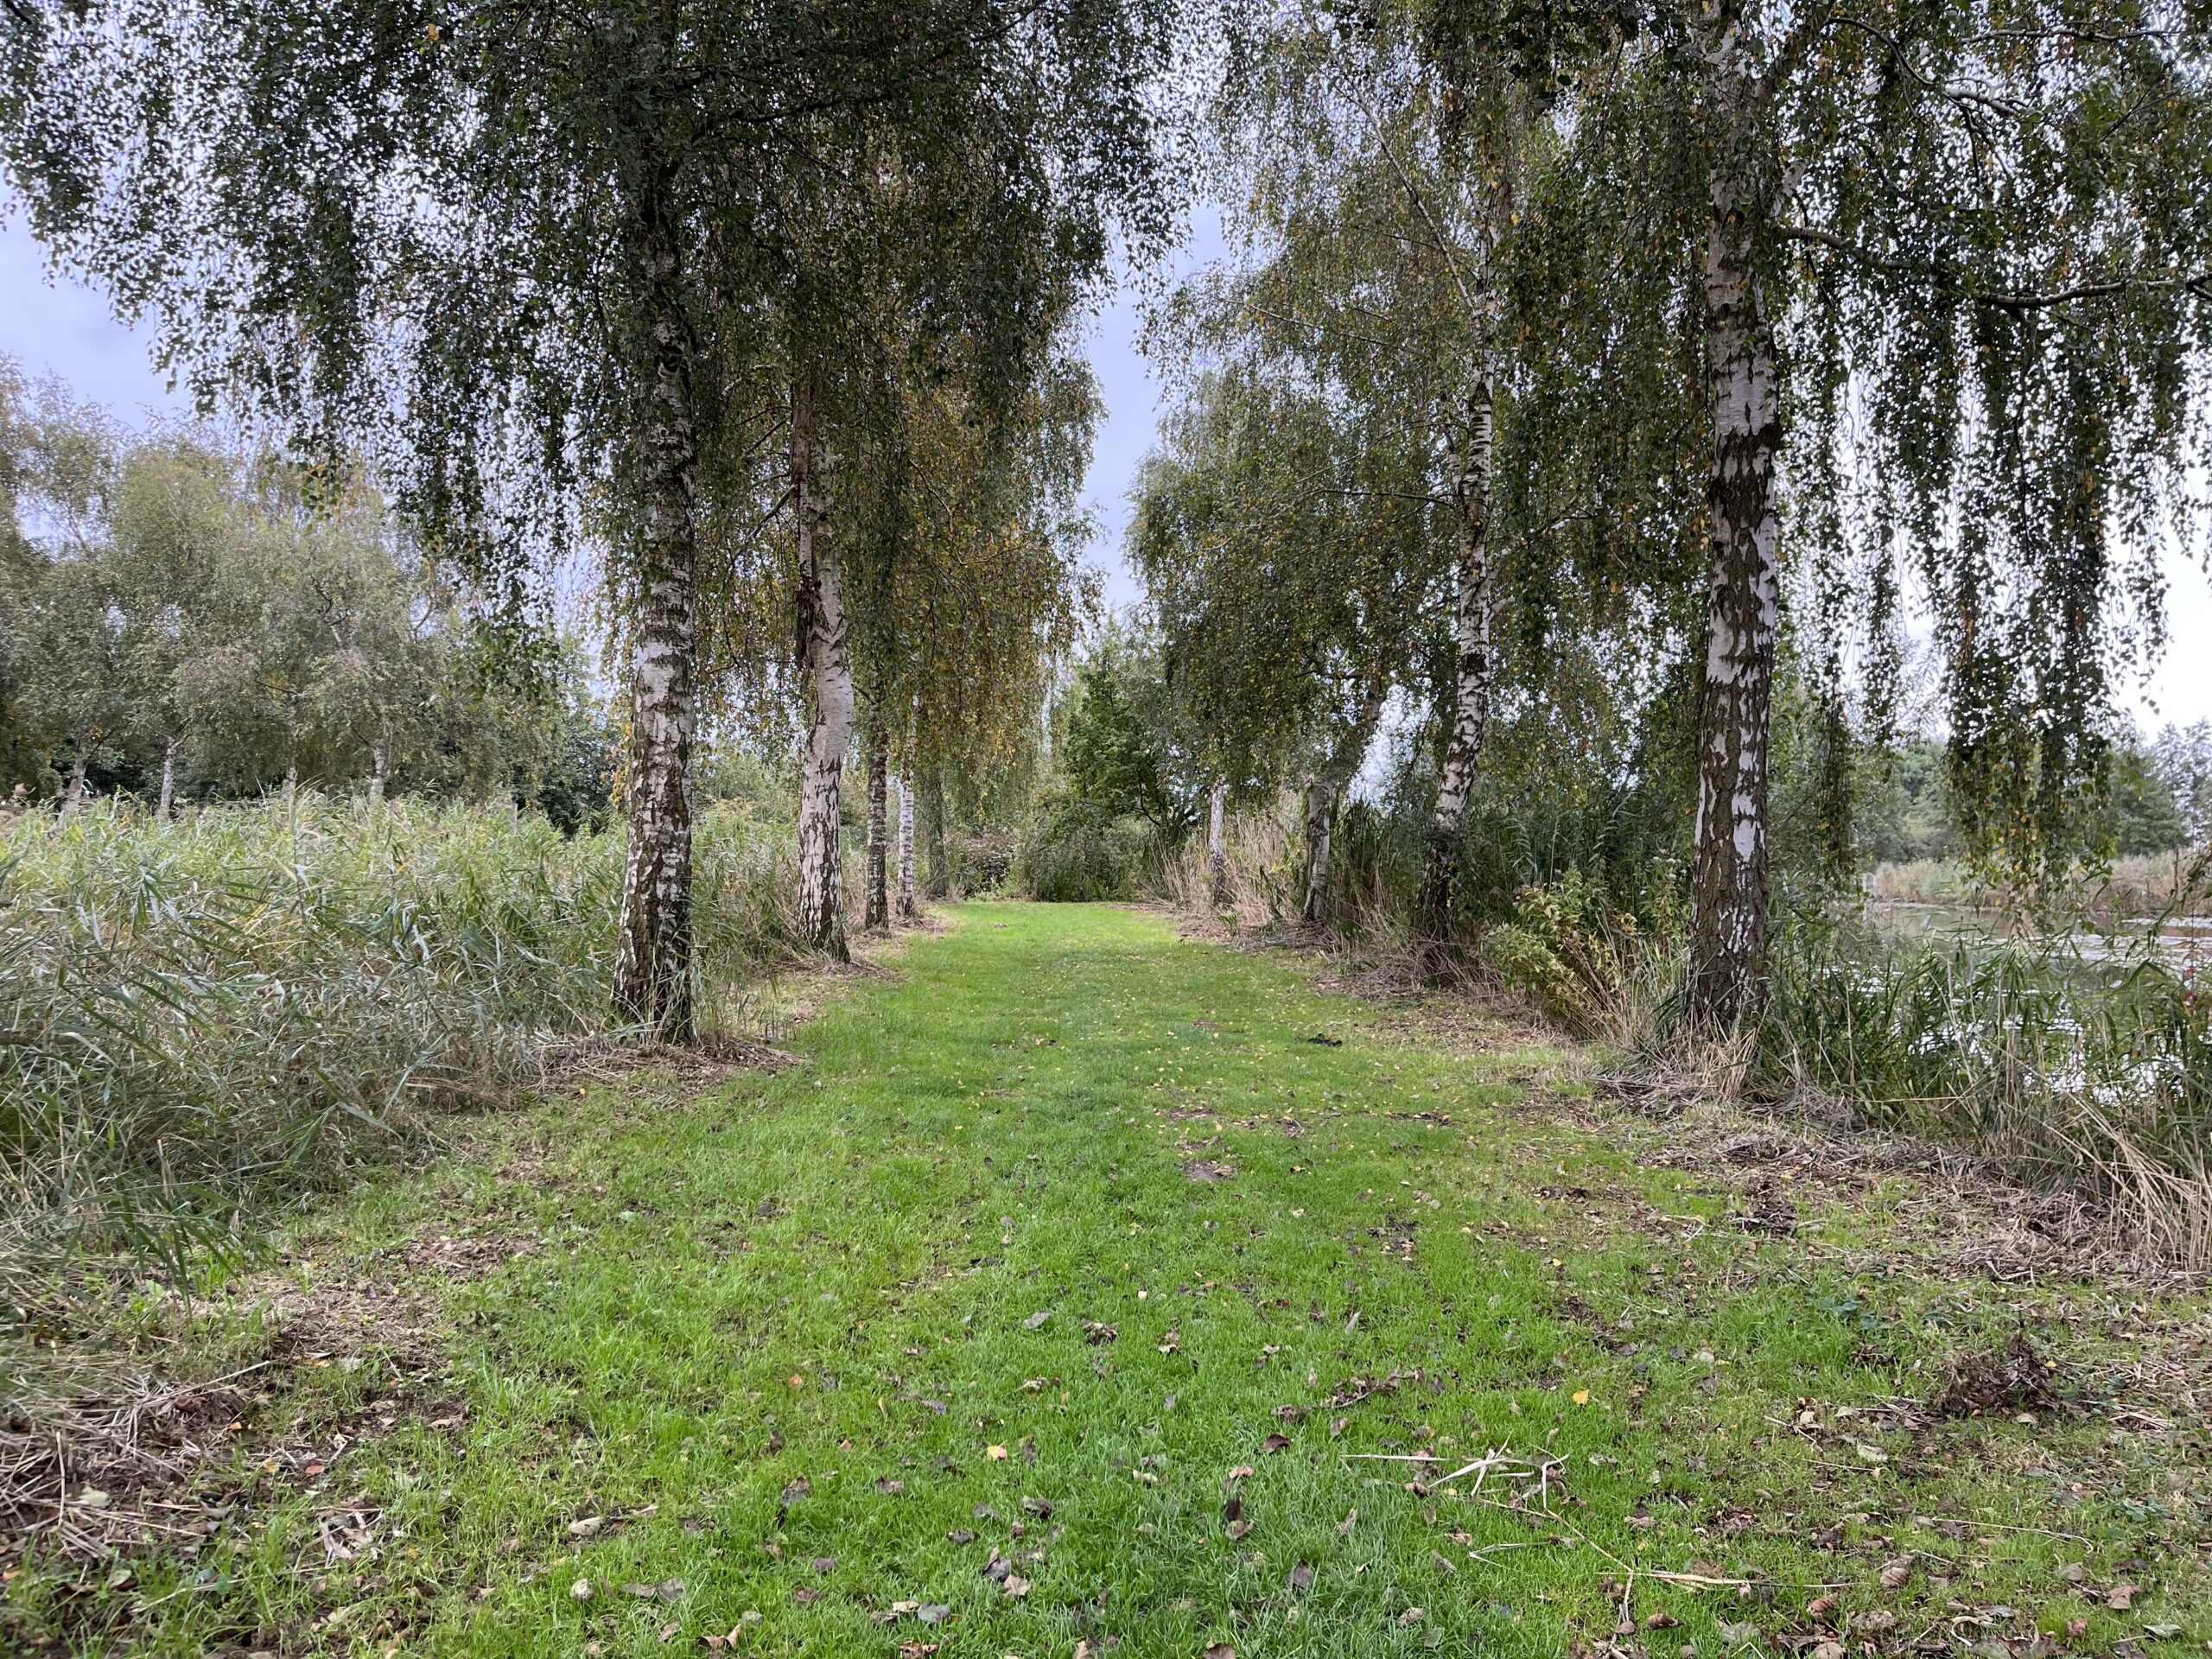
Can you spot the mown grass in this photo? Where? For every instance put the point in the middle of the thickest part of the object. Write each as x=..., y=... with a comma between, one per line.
x=762, y=1343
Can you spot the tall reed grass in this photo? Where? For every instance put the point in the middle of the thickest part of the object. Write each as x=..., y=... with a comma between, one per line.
x=254, y=1000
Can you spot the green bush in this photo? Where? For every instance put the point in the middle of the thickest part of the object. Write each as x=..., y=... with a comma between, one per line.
x=1568, y=948
x=1078, y=851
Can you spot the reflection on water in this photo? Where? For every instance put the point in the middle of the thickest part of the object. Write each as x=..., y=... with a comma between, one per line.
x=2185, y=941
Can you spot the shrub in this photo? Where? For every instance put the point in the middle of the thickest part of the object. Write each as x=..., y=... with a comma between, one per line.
x=1078, y=851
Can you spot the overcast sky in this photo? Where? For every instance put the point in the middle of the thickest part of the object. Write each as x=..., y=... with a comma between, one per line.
x=61, y=329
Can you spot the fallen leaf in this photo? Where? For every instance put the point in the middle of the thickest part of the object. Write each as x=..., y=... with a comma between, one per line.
x=1662, y=1620
x=1038, y=1507
x=961, y=1535
x=581, y=1589
x=892, y=1486
x=1582, y=1396
x=825, y=1564
x=1016, y=1585
x=585, y=1528
x=1869, y=1452
x=1240, y=1472
x=1413, y=1616
x=1096, y=1332
x=669, y=1631
x=1238, y=1530
x=1036, y=1321
x=1275, y=1443
x=1221, y=1650
x=995, y=1453
x=1301, y=1578
x=1894, y=1573
x=933, y=1613
x=1337, y=1425
x=2121, y=1597
x=2078, y=1628
x=1737, y=1636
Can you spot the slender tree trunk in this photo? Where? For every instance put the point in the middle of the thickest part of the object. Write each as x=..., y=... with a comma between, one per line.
x=652, y=956
x=169, y=753
x=940, y=872
x=1470, y=506
x=1320, y=800
x=1216, y=845
x=1322, y=789
x=878, y=897
x=72, y=793
x=379, y=771
x=1728, y=882
x=829, y=664
x=908, y=910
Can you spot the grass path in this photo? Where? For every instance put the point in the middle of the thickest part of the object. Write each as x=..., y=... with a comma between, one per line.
x=1071, y=1249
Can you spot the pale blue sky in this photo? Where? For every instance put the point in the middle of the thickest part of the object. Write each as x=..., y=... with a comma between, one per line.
x=62, y=328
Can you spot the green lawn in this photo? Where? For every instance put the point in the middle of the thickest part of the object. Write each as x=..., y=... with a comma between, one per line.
x=1071, y=1247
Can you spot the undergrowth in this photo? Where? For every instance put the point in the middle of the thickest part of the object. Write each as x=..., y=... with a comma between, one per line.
x=212, y=1016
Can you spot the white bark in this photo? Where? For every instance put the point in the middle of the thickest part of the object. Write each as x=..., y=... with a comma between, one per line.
x=72, y=794
x=169, y=751
x=1472, y=447
x=379, y=771
x=1325, y=785
x=1729, y=865
x=829, y=663
x=908, y=910
x=878, y=904
x=1216, y=845
x=652, y=958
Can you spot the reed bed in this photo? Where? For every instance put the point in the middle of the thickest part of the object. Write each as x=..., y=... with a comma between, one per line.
x=204, y=1018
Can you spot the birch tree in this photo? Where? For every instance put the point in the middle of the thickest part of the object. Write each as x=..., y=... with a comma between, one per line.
x=1944, y=270
x=527, y=262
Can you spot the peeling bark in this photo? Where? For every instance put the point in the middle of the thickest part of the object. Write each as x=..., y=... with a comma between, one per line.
x=653, y=954
x=878, y=897
x=908, y=910
x=1728, y=883
x=169, y=753
x=1472, y=447
x=1217, y=846
x=827, y=660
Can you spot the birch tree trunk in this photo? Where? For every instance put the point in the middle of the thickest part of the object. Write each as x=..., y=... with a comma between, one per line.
x=169, y=751
x=1217, y=846
x=940, y=871
x=379, y=771
x=72, y=794
x=908, y=910
x=1322, y=789
x=652, y=953
x=1455, y=786
x=1320, y=803
x=878, y=904
x=1728, y=881
x=829, y=664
